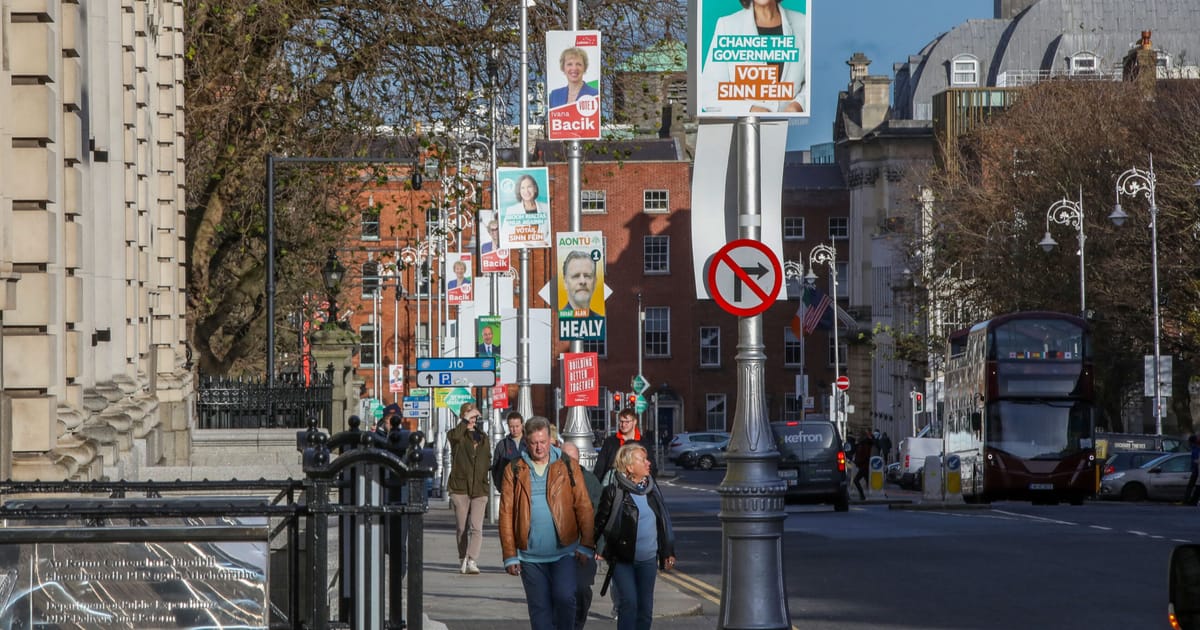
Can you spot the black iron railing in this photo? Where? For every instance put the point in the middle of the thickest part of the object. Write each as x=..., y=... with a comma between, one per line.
x=292, y=402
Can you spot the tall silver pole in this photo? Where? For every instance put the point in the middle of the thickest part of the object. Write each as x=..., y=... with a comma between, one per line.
x=827, y=255
x=1082, y=267
x=577, y=428
x=524, y=395
x=498, y=425
x=752, y=514
x=1134, y=182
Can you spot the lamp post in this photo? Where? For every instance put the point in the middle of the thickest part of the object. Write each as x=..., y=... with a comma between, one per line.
x=793, y=272
x=827, y=255
x=1070, y=213
x=1134, y=183
x=332, y=273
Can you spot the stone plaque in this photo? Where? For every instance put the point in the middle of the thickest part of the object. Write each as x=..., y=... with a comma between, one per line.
x=134, y=578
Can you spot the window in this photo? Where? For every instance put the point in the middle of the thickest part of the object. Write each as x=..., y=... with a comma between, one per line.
x=843, y=350
x=370, y=278
x=599, y=346
x=839, y=228
x=710, y=346
x=593, y=201
x=793, y=228
x=366, y=346
x=1084, y=63
x=656, y=201
x=370, y=223
x=656, y=251
x=792, y=408
x=714, y=412
x=965, y=71
x=793, y=349
x=658, y=331
x=843, y=275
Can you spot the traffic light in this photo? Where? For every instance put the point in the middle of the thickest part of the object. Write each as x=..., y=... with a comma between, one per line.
x=630, y=399
x=616, y=401
x=918, y=402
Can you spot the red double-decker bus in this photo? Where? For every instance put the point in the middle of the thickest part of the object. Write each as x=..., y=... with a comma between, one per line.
x=1019, y=408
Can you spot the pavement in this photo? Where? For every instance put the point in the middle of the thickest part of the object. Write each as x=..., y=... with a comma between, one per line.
x=495, y=599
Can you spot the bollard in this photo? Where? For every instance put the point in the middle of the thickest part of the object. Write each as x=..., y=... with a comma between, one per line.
x=953, y=479
x=931, y=479
x=876, y=475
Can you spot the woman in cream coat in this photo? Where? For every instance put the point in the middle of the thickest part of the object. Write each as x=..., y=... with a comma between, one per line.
x=757, y=17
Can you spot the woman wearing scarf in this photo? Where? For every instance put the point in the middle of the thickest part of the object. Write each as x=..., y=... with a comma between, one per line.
x=638, y=539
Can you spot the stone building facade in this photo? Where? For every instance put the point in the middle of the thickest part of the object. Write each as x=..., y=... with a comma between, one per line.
x=95, y=379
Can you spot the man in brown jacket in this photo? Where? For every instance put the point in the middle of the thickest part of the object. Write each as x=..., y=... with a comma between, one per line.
x=546, y=527
x=470, y=464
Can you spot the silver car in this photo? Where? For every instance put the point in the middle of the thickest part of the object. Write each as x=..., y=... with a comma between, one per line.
x=1162, y=479
x=685, y=442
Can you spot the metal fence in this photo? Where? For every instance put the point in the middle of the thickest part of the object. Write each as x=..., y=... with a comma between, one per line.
x=293, y=401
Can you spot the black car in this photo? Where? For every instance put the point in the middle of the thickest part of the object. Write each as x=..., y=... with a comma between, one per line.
x=812, y=463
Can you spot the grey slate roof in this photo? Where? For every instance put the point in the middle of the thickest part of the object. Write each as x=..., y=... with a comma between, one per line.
x=1042, y=39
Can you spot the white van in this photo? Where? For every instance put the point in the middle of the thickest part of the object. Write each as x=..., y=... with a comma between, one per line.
x=913, y=451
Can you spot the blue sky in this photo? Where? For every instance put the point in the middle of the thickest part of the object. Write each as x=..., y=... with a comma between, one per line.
x=886, y=31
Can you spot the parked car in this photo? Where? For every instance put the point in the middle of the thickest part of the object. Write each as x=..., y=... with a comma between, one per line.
x=812, y=462
x=1124, y=460
x=704, y=458
x=1161, y=479
x=683, y=442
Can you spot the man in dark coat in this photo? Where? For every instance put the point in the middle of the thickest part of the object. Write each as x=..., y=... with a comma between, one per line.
x=862, y=461
x=627, y=431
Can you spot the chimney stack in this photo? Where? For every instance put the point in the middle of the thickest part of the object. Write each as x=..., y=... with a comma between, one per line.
x=1141, y=66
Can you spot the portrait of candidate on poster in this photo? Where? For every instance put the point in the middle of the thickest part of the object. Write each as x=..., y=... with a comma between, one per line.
x=574, y=98
x=487, y=336
x=524, y=201
x=458, y=279
x=756, y=58
x=492, y=257
x=580, y=273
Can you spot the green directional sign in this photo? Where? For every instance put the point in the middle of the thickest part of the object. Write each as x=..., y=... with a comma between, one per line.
x=639, y=384
x=640, y=404
x=377, y=408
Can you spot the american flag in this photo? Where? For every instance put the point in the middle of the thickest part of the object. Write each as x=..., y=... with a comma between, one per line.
x=817, y=302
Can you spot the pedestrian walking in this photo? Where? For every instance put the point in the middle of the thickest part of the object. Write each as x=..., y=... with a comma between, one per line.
x=885, y=448
x=509, y=447
x=546, y=521
x=586, y=574
x=633, y=521
x=627, y=432
x=1192, y=495
x=470, y=464
x=862, y=461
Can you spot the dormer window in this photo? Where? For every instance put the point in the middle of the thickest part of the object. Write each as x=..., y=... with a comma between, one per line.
x=964, y=71
x=1084, y=63
x=1162, y=59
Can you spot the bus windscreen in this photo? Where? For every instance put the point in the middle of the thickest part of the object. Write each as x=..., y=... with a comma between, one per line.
x=1039, y=429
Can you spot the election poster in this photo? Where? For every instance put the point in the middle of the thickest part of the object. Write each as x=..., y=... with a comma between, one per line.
x=492, y=257
x=574, y=90
x=581, y=379
x=459, y=283
x=487, y=336
x=580, y=267
x=752, y=61
x=524, y=200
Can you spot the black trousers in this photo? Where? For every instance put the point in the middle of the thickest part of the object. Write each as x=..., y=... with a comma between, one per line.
x=1191, y=496
x=860, y=475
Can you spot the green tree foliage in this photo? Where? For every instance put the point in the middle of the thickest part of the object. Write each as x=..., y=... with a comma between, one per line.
x=1072, y=139
x=316, y=78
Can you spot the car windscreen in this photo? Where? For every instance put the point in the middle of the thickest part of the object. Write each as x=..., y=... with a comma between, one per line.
x=802, y=440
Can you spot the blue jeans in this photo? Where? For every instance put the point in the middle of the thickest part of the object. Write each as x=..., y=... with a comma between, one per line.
x=550, y=593
x=585, y=575
x=635, y=609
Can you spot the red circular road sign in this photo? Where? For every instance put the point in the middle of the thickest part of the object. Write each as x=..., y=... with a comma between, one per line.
x=843, y=382
x=744, y=277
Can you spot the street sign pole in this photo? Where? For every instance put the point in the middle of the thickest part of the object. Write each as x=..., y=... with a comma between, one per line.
x=752, y=511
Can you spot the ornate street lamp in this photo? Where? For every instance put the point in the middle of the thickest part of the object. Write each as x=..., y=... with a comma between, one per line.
x=1070, y=213
x=332, y=273
x=827, y=255
x=1134, y=183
